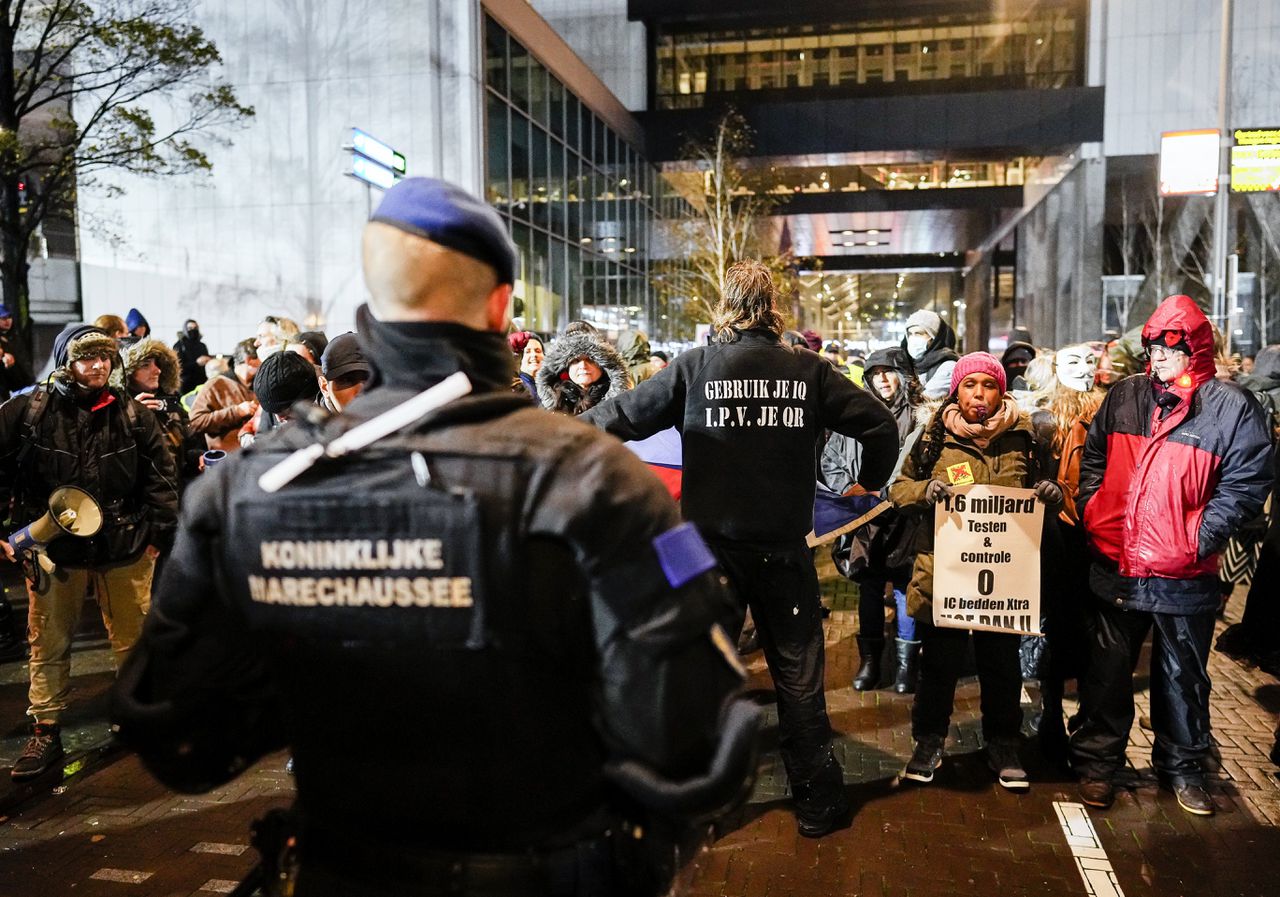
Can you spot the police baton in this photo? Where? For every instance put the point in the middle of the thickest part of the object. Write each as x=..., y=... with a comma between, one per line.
x=453, y=387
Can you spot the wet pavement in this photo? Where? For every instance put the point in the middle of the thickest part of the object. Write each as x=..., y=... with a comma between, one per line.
x=105, y=828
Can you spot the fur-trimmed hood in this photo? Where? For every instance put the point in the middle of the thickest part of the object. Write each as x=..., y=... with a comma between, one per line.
x=167, y=359
x=558, y=393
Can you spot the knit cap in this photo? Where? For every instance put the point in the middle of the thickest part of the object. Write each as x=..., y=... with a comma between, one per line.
x=285, y=378
x=926, y=320
x=978, y=363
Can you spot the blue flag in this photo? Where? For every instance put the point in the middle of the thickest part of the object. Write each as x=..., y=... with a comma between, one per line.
x=834, y=514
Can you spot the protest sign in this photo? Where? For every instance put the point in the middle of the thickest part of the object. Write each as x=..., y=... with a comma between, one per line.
x=986, y=560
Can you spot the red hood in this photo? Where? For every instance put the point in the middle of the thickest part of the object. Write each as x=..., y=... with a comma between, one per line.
x=1181, y=313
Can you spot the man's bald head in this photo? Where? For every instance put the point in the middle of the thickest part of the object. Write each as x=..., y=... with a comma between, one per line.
x=411, y=278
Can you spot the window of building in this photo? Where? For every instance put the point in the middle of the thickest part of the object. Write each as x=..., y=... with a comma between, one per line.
x=577, y=198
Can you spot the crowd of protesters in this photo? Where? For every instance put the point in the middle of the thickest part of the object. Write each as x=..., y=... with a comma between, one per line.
x=1154, y=453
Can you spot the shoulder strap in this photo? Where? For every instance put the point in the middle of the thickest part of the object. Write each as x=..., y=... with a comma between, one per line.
x=131, y=412
x=35, y=409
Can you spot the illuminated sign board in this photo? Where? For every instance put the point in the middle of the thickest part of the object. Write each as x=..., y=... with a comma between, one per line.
x=1189, y=163
x=1255, y=160
x=372, y=148
x=371, y=172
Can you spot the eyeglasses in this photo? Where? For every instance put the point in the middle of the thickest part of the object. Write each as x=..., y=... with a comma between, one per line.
x=1159, y=353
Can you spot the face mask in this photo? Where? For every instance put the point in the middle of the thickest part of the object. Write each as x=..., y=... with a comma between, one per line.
x=1076, y=367
x=916, y=346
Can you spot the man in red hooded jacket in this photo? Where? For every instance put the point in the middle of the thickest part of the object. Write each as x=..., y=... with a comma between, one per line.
x=1174, y=463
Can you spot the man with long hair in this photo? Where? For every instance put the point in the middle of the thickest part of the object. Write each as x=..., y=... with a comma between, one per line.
x=751, y=410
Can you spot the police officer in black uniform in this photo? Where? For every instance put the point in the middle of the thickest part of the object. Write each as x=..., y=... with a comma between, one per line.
x=752, y=411
x=493, y=649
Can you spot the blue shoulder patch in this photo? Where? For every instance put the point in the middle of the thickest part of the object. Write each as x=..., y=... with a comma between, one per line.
x=682, y=554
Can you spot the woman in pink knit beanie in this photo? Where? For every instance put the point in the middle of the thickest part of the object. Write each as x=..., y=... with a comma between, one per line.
x=977, y=436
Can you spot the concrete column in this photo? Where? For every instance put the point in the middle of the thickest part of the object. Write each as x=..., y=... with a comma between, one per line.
x=979, y=289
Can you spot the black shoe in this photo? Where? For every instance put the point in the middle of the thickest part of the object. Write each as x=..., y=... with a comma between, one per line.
x=43, y=749
x=749, y=643
x=868, y=675
x=904, y=680
x=1098, y=793
x=1002, y=757
x=926, y=758
x=1193, y=798
x=821, y=815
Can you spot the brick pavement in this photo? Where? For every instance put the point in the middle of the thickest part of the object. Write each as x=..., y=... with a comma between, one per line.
x=963, y=834
x=113, y=831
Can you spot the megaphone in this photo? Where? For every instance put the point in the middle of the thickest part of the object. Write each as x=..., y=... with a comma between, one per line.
x=72, y=512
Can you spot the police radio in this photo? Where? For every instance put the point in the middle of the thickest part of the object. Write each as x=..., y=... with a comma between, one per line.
x=72, y=512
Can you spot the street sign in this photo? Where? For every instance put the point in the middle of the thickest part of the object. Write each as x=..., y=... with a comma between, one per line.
x=1189, y=163
x=1255, y=160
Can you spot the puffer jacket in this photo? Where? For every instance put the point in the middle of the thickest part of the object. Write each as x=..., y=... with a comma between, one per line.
x=118, y=457
x=1011, y=459
x=175, y=423
x=1161, y=495
x=558, y=393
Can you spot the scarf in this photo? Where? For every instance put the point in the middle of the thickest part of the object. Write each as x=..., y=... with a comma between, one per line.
x=981, y=434
x=418, y=354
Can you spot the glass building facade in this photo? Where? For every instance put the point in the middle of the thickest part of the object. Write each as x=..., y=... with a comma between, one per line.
x=579, y=200
x=1042, y=48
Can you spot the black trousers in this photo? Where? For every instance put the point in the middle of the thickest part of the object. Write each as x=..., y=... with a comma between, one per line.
x=781, y=588
x=1179, y=693
x=942, y=657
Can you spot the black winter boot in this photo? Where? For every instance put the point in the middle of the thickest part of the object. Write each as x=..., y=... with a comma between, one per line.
x=822, y=806
x=904, y=680
x=868, y=675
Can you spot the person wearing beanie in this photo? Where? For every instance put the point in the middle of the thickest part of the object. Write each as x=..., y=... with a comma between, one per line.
x=977, y=436
x=282, y=381
x=15, y=358
x=1014, y=361
x=484, y=568
x=1174, y=463
x=82, y=429
x=931, y=343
